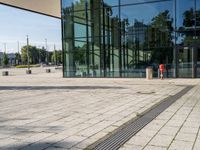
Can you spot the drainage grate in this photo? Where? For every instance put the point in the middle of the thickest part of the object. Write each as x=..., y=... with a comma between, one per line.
x=122, y=135
x=145, y=92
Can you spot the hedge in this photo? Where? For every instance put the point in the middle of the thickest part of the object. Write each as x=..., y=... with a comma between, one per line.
x=26, y=66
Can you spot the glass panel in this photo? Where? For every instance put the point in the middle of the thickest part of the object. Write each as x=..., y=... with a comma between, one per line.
x=75, y=4
x=198, y=36
x=198, y=22
x=185, y=36
x=198, y=62
x=185, y=22
x=136, y=2
x=185, y=62
x=147, y=36
x=123, y=45
x=111, y=2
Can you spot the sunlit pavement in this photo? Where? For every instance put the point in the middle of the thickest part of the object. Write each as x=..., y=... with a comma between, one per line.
x=177, y=128
x=45, y=111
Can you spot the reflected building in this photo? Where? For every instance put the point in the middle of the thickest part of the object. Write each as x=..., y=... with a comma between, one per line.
x=137, y=35
x=120, y=38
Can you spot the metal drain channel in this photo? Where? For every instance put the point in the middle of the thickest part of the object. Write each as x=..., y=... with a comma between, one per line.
x=122, y=135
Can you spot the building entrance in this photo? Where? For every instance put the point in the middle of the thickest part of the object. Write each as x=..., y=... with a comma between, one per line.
x=189, y=62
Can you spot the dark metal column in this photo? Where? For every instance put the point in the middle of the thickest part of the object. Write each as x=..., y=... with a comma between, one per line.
x=119, y=36
x=87, y=40
x=194, y=62
x=176, y=50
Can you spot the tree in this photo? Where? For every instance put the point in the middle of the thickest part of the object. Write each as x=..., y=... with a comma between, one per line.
x=17, y=58
x=160, y=33
x=189, y=18
x=60, y=57
x=33, y=54
x=42, y=55
x=80, y=54
x=5, y=59
x=187, y=29
x=56, y=57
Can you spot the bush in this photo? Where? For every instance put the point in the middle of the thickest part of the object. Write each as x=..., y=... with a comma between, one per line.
x=26, y=66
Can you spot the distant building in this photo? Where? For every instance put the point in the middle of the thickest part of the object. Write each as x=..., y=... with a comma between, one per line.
x=11, y=58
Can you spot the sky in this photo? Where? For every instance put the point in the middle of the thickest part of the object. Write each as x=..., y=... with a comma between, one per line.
x=16, y=24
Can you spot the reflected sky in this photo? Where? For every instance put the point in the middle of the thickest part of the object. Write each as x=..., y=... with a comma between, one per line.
x=145, y=12
x=15, y=24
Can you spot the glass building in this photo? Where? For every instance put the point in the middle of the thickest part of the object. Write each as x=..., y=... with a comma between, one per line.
x=120, y=38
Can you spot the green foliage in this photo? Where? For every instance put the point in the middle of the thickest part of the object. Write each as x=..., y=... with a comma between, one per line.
x=42, y=54
x=25, y=66
x=186, y=31
x=160, y=33
x=56, y=57
x=36, y=55
x=189, y=18
x=5, y=59
x=33, y=54
x=17, y=58
x=80, y=54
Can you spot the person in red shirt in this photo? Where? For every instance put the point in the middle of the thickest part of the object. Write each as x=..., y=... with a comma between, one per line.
x=162, y=69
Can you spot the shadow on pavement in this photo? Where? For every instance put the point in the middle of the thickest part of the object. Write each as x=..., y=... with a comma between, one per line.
x=25, y=138
x=57, y=87
x=38, y=146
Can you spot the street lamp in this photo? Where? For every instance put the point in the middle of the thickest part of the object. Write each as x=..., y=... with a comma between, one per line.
x=18, y=55
x=4, y=73
x=47, y=55
x=28, y=60
x=18, y=46
x=55, y=55
x=39, y=47
x=5, y=47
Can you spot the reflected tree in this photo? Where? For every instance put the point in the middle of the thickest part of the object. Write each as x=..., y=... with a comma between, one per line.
x=187, y=30
x=160, y=35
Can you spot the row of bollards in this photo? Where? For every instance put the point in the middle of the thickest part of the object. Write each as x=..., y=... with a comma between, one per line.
x=6, y=73
x=149, y=72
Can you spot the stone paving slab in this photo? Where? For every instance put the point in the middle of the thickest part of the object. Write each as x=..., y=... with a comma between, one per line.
x=46, y=111
x=177, y=128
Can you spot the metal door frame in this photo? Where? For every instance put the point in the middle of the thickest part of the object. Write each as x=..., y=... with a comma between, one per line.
x=194, y=49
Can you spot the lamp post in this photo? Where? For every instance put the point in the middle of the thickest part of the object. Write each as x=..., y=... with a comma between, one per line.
x=18, y=46
x=39, y=47
x=5, y=73
x=55, y=55
x=18, y=55
x=47, y=55
x=5, y=47
x=28, y=59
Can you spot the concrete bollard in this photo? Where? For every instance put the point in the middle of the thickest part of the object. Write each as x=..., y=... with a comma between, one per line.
x=149, y=73
x=48, y=70
x=28, y=72
x=5, y=73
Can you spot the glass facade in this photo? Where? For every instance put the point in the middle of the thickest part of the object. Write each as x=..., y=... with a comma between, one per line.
x=120, y=38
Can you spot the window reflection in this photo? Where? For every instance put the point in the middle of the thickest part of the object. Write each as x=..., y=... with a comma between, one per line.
x=149, y=34
x=105, y=39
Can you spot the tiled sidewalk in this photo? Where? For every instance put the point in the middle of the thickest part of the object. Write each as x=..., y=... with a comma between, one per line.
x=177, y=128
x=45, y=111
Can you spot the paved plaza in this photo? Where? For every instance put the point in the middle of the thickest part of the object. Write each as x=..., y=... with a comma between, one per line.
x=47, y=112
